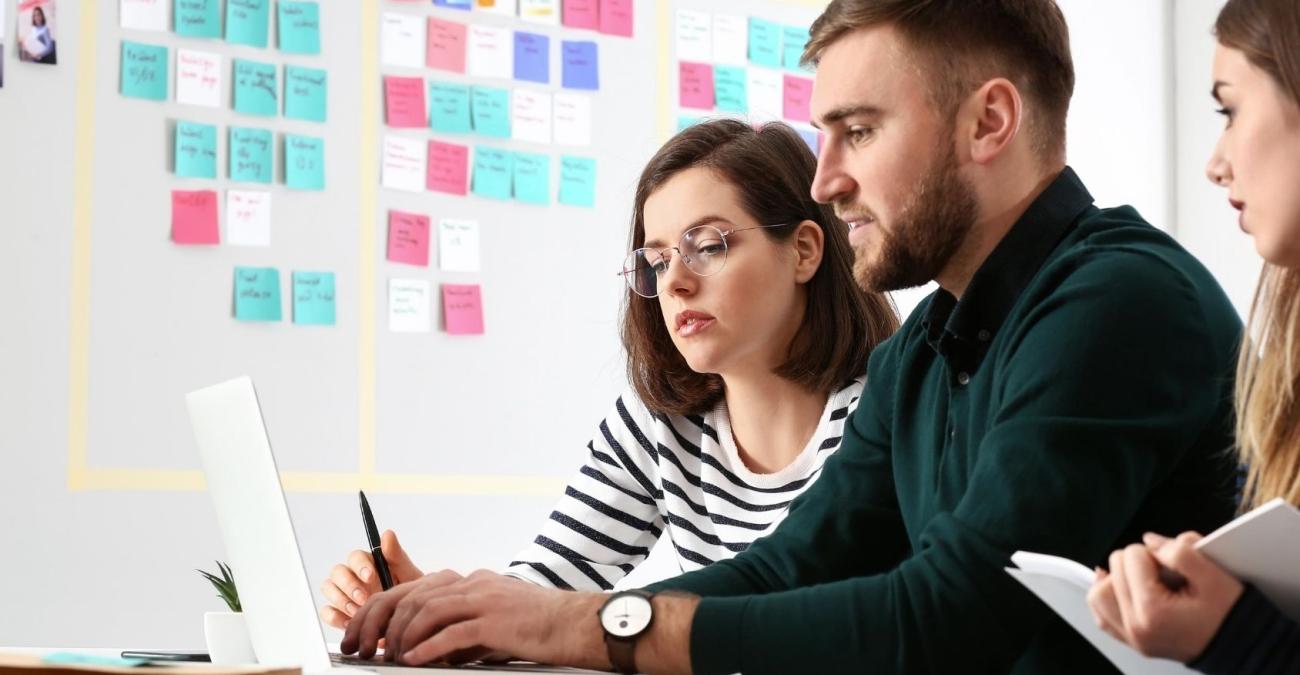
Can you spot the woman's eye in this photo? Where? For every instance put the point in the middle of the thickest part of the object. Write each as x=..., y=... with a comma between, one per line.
x=1228, y=113
x=660, y=267
x=711, y=249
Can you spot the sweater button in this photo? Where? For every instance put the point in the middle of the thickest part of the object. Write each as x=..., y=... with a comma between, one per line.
x=963, y=379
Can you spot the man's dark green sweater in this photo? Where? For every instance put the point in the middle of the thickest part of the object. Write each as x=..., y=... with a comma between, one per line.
x=1078, y=395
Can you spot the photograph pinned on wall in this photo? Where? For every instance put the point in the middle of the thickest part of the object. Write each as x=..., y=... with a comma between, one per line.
x=36, y=31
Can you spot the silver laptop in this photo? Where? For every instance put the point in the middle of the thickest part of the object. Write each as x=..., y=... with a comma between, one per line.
x=260, y=542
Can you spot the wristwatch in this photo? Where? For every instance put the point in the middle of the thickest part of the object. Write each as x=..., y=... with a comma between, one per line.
x=625, y=616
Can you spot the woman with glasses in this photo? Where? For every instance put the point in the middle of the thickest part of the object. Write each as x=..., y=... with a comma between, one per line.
x=746, y=339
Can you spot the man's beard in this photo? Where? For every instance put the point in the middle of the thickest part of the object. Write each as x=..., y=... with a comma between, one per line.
x=927, y=233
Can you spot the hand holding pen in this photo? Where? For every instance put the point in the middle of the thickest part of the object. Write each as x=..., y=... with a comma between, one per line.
x=350, y=584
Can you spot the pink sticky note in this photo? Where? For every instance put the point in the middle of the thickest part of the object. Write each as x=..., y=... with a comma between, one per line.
x=462, y=309
x=448, y=168
x=446, y=45
x=695, y=81
x=798, y=95
x=582, y=14
x=616, y=17
x=408, y=238
x=404, y=101
x=194, y=217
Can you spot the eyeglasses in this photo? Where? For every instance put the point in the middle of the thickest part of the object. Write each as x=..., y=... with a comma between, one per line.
x=703, y=249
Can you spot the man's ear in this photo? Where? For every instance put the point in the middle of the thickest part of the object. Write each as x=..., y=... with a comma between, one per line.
x=991, y=119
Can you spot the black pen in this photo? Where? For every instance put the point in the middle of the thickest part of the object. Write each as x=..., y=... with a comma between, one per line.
x=372, y=536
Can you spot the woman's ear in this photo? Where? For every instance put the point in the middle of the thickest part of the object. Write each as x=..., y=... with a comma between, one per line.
x=809, y=245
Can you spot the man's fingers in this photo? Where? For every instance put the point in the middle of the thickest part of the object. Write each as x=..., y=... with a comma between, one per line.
x=460, y=638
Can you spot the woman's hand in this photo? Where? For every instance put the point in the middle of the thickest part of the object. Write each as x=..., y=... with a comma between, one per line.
x=350, y=585
x=1133, y=604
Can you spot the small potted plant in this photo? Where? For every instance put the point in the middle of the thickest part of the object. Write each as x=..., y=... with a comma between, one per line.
x=225, y=632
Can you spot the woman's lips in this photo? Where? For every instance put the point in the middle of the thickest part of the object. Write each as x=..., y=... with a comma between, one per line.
x=691, y=323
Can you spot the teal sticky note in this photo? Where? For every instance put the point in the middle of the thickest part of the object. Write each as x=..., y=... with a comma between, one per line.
x=491, y=111
x=449, y=108
x=198, y=18
x=196, y=150
x=246, y=22
x=144, y=71
x=250, y=155
x=257, y=294
x=305, y=93
x=729, y=89
x=299, y=27
x=75, y=659
x=304, y=162
x=313, y=298
x=793, y=39
x=577, y=181
x=532, y=178
x=256, y=92
x=492, y=172
x=683, y=122
x=764, y=43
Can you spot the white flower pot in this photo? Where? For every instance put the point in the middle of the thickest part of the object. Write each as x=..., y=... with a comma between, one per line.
x=227, y=636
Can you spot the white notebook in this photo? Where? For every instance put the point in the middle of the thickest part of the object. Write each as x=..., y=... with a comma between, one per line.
x=1261, y=548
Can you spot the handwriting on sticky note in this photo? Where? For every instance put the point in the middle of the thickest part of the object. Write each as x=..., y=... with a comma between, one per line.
x=304, y=162
x=196, y=150
x=402, y=40
x=256, y=91
x=305, y=93
x=572, y=119
x=194, y=217
x=299, y=27
x=313, y=298
x=448, y=168
x=446, y=49
x=577, y=181
x=729, y=84
x=616, y=17
x=247, y=21
x=798, y=96
x=764, y=43
x=248, y=218
x=694, y=36
x=530, y=116
x=695, y=85
x=493, y=172
x=449, y=108
x=408, y=306
x=404, y=163
x=198, y=78
x=532, y=178
x=491, y=52
x=581, y=65
x=462, y=307
x=404, y=101
x=730, y=39
x=257, y=294
x=144, y=71
x=250, y=155
x=532, y=57
x=458, y=243
x=581, y=14
x=490, y=108
x=198, y=18
x=408, y=238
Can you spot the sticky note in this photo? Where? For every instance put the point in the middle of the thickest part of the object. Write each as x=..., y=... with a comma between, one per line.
x=448, y=168
x=504, y=7
x=408, y=238
x=577, y=181
x=616, y=17
x=446, y=49
x=583, y=14
x=250, y=155
x=256, y=90
x=798, y=96
x=766, y=95
x=196, y=150
x=198, y=78
x=493, y=172
x=76, y=658
x=144, y=14
x=305, y=93
x=458, y=245
x=194, y=217
x=198, y=18
x=581, y=67
x=490, y=108
x=257, y=294
x=144, y=71
x=694, y=36
x=404, y=102
x=695, y=85
x=247, y=21
x=730, y=40
x=449, y=108
x=764, y=43
x=491, y=52
x=793, y=39
x=313, y=298
x=408, y=306
x=810, y=137
x=465, y=5
x=572, y=119
x=729, y=89
x=532, y=57
x=299, y=24
x=304, y=162
x=462, y=309
x=403, y=165
x=686, y=121
x=540, y=11
x=402, y=40
x=248, y=218
x=532, y=178
x=530, y=116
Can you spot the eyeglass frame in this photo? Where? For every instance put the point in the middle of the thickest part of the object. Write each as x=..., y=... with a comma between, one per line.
x=678, y=250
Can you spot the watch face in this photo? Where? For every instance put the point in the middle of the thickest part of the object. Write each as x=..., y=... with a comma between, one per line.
x=626, y=615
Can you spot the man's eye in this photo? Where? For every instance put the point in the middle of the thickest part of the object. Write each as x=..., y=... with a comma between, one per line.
x=860, y=134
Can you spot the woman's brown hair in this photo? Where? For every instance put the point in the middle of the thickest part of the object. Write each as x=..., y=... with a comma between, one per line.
x=1267, y=32
x=772, y=169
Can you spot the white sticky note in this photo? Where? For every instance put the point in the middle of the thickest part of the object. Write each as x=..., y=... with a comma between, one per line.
x=402, y=40
x=540, y=11
x=404, y=163
x=572, y=119
x=248, y=218
x=730, y=39
x=198, y=78
x=458, y=245
x=145, y=14
x=694, y=36
x=766, y=96
x=491, y=52
x=506, y=7
x=408, y=305
x=531, y=113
